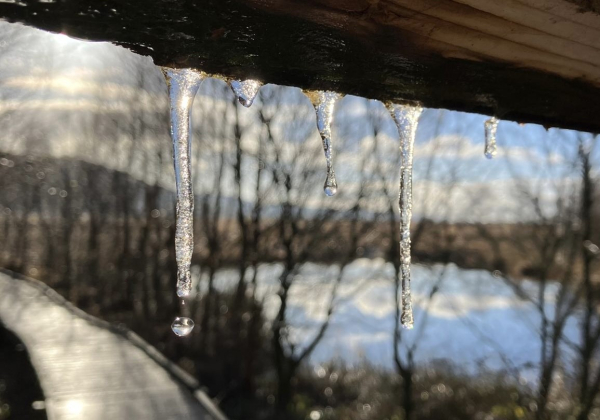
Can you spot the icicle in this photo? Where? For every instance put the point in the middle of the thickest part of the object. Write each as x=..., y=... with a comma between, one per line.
x=324, y=103
x=491, y=126
x=245, y=90
x=183, y=85
x=182, y=326
x=406, y=119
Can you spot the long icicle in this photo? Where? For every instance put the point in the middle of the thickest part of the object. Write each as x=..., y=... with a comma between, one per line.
x=183, y=85
x=406, y=119
x=324, y=103
x=490, y=127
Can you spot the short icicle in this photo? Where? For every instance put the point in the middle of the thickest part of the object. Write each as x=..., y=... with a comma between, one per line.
x=183, y=85
x=490, y=126
x=406, y=119
x=324, y=102
x=245, y=90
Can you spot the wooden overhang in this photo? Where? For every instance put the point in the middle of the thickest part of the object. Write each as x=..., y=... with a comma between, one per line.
x=523, y=60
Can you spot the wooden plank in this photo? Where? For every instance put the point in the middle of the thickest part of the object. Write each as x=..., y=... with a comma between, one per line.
x=467, y=29
x=575, y=10
x=527, y=60
x=501, y=24
x=540, y=14
x=89, y=371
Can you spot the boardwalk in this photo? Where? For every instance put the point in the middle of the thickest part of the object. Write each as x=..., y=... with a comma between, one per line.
x=90, y=370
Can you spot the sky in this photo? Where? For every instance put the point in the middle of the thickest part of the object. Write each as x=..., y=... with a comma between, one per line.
x=51, y=87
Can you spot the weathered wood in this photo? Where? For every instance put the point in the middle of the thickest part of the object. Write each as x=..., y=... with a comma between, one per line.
x=525, y=60
x=91, y=370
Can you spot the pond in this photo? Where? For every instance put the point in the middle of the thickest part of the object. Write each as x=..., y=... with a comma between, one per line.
x=474, y=319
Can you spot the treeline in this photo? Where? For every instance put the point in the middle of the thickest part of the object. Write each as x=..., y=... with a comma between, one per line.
x=46, y=191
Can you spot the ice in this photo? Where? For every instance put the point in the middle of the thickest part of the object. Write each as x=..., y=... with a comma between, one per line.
x=183, y=85
x=324, y=103
x=406, y=118
x=490, y=126
x=245, y=90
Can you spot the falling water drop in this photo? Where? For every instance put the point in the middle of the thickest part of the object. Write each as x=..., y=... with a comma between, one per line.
x=183, y=85
x=406, y=118
x=182, y=326
x=330, y=184
x=324, y=102
x=245, y=90
x=490, y=126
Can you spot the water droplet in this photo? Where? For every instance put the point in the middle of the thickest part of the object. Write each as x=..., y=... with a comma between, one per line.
x=330, y=190
x=184, y=284
x=245, y=90
x=406, y=118
x=330, y=186
x=490, y=126
x=183, y=85
x=182, y=326
x=324, y=103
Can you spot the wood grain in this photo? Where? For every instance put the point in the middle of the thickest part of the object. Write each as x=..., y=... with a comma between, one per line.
x=527, y=60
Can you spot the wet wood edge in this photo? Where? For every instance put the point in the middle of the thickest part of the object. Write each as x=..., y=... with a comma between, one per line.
x=524, y=60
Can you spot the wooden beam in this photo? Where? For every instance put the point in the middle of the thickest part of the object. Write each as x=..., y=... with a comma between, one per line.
x=525, y=60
